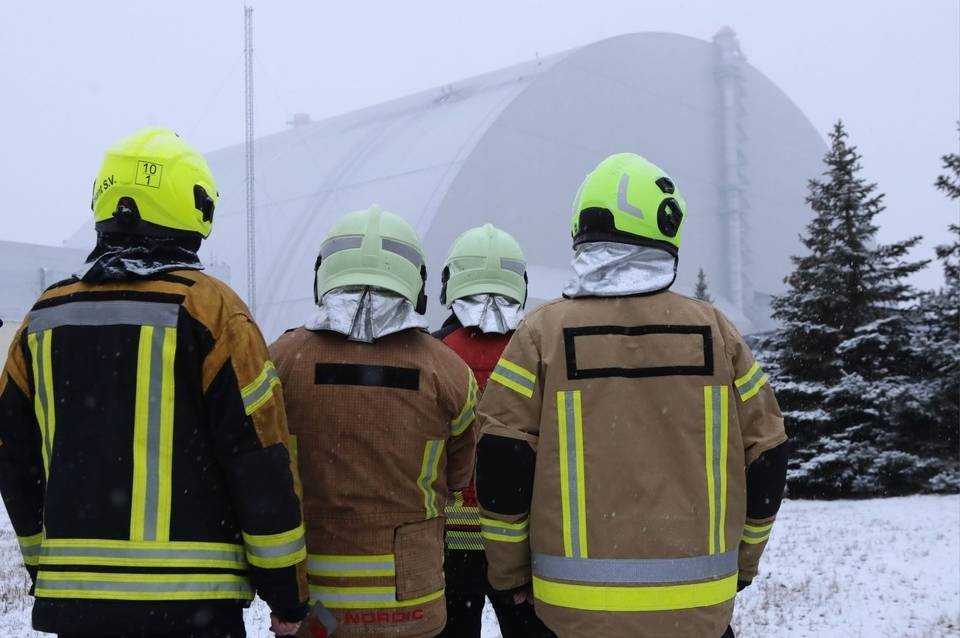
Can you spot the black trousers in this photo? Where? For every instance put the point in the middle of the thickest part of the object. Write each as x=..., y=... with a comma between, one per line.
x=234, y=629
x=467, y=586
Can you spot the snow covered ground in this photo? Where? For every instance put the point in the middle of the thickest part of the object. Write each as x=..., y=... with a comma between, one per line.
x=850, y=569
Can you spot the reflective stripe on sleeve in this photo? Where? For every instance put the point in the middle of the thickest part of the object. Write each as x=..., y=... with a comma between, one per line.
x=469, y=412
x=515, y=377
x=260, y=390
x=572, y=480
x=494, y=530
x=351, y=566
x=756, y=534
x=271, y=551
x=750, y=384
x=30, y=548
x=365, y=597
x=155, y=587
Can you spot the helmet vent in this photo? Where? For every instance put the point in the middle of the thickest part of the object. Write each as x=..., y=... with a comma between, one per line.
x=666, y=185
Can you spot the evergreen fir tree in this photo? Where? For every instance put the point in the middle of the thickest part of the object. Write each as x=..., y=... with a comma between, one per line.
x=844, y=357
x=700, y=291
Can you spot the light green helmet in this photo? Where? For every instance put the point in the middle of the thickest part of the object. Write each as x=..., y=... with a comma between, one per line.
x=630, y=200
x=484, y=260
x=372, y=247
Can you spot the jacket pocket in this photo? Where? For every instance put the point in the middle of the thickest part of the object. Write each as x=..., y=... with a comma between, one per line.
x=418, y=552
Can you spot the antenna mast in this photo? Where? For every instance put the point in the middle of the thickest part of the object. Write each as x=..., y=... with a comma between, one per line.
x=248, y=151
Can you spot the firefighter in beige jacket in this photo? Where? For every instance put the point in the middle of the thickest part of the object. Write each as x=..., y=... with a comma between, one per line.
x=382, y=417
x=632, y=458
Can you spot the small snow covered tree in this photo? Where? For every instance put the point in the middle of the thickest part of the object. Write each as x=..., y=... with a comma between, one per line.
x=700, y=292
x=844, y=358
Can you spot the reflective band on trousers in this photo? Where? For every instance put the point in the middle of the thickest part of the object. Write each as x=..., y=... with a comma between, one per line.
x=715, y=407
x=573, y=485
x=59, y=551
x=750, y=384
x=365, y=597
x=515, y=377
x=260, y=390
x=350, y=566
x=155, y=587
x=105, y=313
x=153, y=435
x=432, y=452
x=643, y=598
x=270, y=551
x=44, y=406
x=635, y=571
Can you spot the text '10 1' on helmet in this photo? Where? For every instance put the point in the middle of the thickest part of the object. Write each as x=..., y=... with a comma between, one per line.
x=372, y=247
x=484, y=260
x=630, y=200
x=154, y=183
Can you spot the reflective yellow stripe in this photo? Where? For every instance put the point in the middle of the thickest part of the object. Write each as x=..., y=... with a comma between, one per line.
x=260, y=390
x=751, y=540
x=140, y=425
x=749, y=375
x=643, y=598
x=464, y=540
x=494, y=530
x=165, y=466
x=572, y=478
x=272, y=551
x=114, y=553
x=365, y=597
x=716, y=418
x=515, y=377
x=756, y=534
x=432, y=452
x=351, y=566
x=30, y=548
x=469, y=412
x=758, y=529
x=157, y=587
x=40, y=345
x=750, y=384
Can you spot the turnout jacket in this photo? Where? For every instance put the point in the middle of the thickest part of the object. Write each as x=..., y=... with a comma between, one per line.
x=382, y=431
x=143, y=458
x=613, y=462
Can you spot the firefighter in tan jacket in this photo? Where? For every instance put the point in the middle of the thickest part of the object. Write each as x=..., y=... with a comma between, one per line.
x=382, y=418
x=632, y=455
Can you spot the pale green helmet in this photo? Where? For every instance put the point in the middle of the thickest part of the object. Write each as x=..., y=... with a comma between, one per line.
x=484, y=260
x=373, y=247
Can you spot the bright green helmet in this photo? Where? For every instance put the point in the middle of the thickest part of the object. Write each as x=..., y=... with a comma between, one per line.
x=153, y=176
x=373, y=248
x=630, y=200
x=484, y=260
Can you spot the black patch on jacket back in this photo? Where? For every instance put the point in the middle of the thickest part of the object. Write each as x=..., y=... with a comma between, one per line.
x=574, y=372
x=505, y=469
x=367, y=375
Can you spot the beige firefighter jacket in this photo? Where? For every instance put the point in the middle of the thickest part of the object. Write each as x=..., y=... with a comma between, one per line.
x=382, y=433
x=644, y=413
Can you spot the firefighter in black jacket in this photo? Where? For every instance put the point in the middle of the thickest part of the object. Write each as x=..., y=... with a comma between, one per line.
x=143, y=438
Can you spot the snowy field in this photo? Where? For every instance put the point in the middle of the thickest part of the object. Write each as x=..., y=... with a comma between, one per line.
x=851, y=569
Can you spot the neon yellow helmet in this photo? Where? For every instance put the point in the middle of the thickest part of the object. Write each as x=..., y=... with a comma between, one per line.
x=484, y=260
x=629, y=199
x=373, y=247
x=153, y=176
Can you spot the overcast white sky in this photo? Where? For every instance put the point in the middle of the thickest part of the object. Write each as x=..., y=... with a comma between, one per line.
x=77, y=75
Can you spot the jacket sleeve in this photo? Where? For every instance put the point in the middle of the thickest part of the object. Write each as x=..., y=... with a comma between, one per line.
x=462, y=444
x=509, y=415
x=245, y=410
x=765, y=449
x=22, y=476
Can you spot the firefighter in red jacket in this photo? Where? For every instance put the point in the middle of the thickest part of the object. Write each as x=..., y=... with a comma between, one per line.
x=485, y=286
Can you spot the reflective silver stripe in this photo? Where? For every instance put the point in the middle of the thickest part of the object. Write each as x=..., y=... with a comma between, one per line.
x=513, y=265
x=715, y=465
x=459, y=425
x=356, y=566
x=516, y=378
x=504, y=531
x=152, y=469
x=135, y=553
x=105, y=313
x=354, y=597
x=571, y=461
x=337, y=244
x=637, y=571
x=760, y=535
x=622, y=202
x=756, y=379
x=146, y=587
x=265, y=387
x=276, y=551
x=44, y=393
x=406, y=251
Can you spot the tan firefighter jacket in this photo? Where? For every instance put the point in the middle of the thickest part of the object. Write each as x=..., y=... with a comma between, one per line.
x=643, y=413
x=383, y=432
